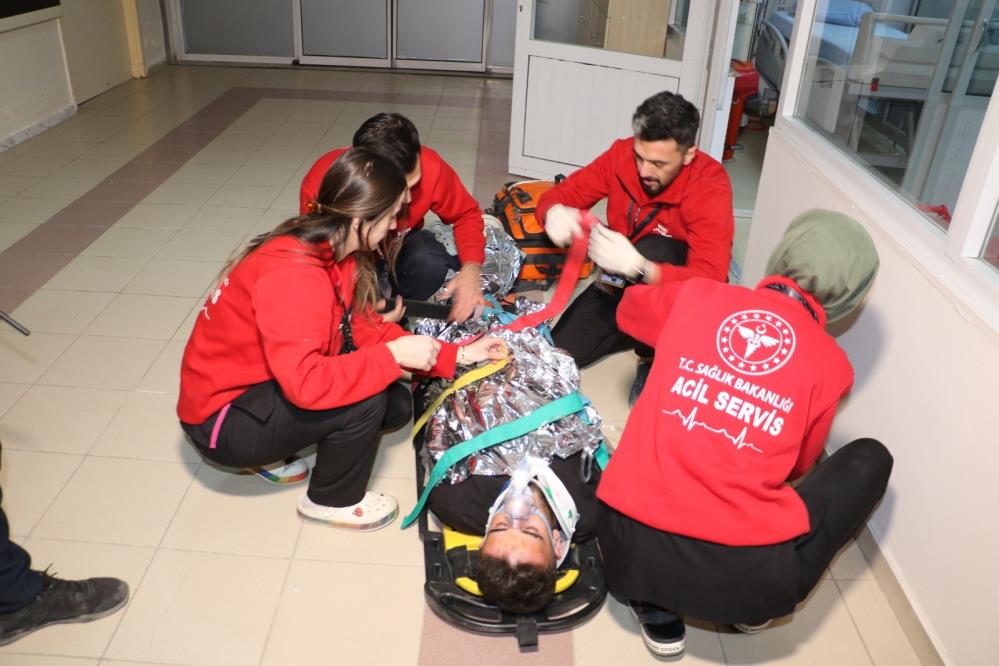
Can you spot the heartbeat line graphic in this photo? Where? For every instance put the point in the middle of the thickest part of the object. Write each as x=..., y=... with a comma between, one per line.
x=689, y=423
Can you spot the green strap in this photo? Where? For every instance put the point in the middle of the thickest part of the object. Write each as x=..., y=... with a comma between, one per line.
x=602, y=455
x=553, y=411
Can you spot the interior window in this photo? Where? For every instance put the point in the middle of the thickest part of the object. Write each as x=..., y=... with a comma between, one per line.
x=653, y=27
x=901, y=86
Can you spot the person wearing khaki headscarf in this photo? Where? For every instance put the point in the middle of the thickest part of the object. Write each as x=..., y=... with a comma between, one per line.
x=698, y=517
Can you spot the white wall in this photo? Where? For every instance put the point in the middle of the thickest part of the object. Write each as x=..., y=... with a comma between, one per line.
x=927, y=386
x=151, y=28
x=96, y=46
x=33, y=76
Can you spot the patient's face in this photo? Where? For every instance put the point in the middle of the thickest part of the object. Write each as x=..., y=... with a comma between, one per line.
x=527, y=543
x=659, y=162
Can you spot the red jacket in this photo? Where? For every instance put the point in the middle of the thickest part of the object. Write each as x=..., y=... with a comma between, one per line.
x=739, y=400
x=277, y=316
x=696, y=207
x=439, y=190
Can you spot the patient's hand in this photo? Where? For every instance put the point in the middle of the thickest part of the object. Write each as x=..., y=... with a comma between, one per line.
x=488, y=348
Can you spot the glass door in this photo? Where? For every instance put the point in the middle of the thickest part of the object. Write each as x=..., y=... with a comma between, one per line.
x=344, y=32
x=440, y=34
x=462, y=35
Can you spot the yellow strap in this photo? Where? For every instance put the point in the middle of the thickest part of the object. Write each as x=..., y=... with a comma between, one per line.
x=454, y=539
x=473, y=375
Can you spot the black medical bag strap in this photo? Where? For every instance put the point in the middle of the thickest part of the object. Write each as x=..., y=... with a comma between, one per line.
x=645, y=222
x=509, y=196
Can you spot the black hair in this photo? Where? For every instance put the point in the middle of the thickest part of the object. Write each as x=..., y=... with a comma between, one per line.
x=666, y=116
x=515, y=588
x=393, y=136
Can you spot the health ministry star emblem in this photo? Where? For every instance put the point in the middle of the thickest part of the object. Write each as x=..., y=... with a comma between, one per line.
x=755, y=342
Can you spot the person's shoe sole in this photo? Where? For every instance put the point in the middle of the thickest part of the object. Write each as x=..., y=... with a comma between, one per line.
x=280, y=480
x=750, y=629
x=367, y=527
x=664, y=649
x=90, y=617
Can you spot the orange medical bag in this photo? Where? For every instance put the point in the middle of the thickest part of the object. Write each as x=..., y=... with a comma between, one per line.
x=514, y=207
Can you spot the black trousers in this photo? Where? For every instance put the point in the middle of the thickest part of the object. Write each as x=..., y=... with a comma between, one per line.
x=18, y=583
x=263, y=427
x=422, y=265
x=840, y=493
x=750, y=584
x=588, y=328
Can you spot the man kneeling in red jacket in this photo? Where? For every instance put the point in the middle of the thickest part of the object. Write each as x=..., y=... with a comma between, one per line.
x=422, y=262
x=698, y=517
x=669, y=218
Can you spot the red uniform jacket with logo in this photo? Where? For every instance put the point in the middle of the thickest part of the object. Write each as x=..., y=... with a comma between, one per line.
x=277, y=316
x=439, y=190
x=695, y=208
x=739, y=400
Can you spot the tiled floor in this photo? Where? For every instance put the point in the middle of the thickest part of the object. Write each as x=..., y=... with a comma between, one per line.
x=745, y=166
x=111, y=239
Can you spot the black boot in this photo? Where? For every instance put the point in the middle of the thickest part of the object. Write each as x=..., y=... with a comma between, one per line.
x=64, y=601
x=664, y=633
x=641, y=375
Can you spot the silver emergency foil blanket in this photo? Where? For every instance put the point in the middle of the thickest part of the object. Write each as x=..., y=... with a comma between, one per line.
x=537, y=374
x=502, y=263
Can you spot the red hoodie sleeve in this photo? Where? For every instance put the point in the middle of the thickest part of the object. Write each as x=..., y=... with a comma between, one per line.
x=310, y=184
x=707, y=214
x=818, y=430
x=582, y=189
x=293, y=310
x=644, y=308
x=370, y=329
x=455, y=206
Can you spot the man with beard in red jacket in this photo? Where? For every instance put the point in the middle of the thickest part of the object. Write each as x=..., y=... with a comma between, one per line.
x=669, y=218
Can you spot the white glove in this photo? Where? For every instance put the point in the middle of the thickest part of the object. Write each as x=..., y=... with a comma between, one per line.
x=562, y=224
x=614, y=253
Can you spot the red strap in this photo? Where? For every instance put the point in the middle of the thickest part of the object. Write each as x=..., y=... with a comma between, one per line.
x=566, y=282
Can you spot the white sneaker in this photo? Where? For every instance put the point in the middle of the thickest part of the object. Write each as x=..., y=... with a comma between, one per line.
x=292, y=470
x=374, y=511
x=752, y=628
